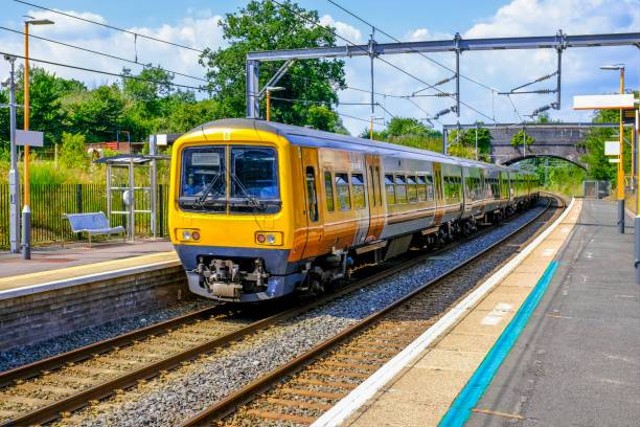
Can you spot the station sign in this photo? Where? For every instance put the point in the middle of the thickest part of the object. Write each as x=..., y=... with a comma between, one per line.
x=603, y=102
x=614, y=160
x=612, y=148
x=29, y=137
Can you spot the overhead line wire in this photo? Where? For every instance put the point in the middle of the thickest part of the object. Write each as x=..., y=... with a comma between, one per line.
x=104, y=54
x=110, y=26
x=414, y=50
x=331, y=30
x=108, y=73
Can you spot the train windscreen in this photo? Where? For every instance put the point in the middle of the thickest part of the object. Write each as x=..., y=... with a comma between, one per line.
x=251, y=174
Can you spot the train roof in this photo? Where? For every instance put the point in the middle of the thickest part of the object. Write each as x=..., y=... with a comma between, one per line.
x=314, y=138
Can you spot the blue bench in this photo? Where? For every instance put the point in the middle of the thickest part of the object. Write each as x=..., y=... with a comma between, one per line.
x=92, y=223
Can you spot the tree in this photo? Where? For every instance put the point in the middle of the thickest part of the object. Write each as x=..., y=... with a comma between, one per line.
x=522, y=138
x=96, y=114
x=264, y=25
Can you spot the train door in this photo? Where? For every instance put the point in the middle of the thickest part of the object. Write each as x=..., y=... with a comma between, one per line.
x=439, y=192
x=374, y=190
x=311, y=177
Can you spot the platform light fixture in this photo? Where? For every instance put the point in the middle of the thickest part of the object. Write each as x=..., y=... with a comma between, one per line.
x=620, y=176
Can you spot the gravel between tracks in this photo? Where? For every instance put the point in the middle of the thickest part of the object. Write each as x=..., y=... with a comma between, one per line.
x=180, y=394
x=27, y=354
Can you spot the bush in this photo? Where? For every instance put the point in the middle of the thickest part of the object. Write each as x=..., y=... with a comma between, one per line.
x=73, y=154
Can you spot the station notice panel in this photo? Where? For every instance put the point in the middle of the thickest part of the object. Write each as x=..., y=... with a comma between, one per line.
x=29, y=137
x=603, y=102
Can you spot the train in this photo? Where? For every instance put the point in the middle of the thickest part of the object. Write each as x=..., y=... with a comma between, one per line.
x=260, y=210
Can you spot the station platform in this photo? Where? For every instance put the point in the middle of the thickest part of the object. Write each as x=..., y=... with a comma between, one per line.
x=55, y=266
x=552, y=340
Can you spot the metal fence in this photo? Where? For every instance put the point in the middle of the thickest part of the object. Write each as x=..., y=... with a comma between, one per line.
x=50, y=202
x=596, y=189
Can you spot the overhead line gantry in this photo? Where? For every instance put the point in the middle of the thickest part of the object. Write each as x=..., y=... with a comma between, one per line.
x=560, y=42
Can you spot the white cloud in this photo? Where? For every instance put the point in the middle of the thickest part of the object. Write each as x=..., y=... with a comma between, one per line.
x=344, y=30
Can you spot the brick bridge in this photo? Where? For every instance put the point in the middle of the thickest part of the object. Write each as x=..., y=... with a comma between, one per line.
x=560, y=140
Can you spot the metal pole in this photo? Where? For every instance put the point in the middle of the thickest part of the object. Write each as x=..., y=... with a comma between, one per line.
x=253, y=107
x=14, y=178
x=26, y=210
x=636, y=222
x=621, y=164
x=268, y=106
x=371, y=56
x=476, y=141
x=132, y=201
x=153, y=177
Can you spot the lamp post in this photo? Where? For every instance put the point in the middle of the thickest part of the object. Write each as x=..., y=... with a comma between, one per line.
x=371, y=124
x=14, y=178
x=268, y=91
x=26, y=210
x=620, y=163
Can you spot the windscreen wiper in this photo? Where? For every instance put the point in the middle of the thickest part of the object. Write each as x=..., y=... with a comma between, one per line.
x=252, y=200
x=208, y=188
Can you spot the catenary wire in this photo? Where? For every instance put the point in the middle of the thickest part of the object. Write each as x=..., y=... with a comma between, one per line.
x=107, y=73
x=312, y=22
x=398, y=41
x=111, y=26
x=107, y=55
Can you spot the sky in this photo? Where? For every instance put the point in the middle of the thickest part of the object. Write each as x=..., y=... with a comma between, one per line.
x=484, y=75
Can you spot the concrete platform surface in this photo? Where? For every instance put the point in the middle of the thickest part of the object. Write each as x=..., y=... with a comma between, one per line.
x=577, y=362
x=57, y=263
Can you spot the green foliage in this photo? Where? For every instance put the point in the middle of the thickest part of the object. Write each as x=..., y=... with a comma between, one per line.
x=462, y=143
x=41, y=173
x=522, y=138
x=97, y=113
x=73, y=153
x=409, y=132
x=264, y=25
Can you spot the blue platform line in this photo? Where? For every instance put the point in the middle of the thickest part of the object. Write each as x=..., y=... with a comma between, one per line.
x=467, y=399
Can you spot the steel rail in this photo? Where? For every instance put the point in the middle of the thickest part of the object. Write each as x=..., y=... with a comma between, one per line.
x=51, y=412
x=228, y=405
x=83, y=353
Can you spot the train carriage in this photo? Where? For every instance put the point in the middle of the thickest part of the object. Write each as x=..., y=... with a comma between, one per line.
x=260, y=210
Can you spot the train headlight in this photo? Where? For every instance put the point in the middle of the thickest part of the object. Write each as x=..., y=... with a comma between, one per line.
x=269, y=238
x=188, y=235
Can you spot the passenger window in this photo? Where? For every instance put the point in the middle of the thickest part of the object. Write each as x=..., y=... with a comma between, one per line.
x=357, y=185
x=342, y=188
x=401, y=189
x=430, y=192
x=422, y=188
x=312, y=199
x=412, y=189
x=328, y=189
x=391, y=193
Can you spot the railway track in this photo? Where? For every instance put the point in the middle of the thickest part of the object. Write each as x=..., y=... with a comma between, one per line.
x=42, y=391
x=300, y=392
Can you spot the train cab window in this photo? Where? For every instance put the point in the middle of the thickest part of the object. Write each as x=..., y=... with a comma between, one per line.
x=253, y=179
x=357, y=186
x=401, y=189
x=430, y=190
x=203, y=177
x=421, y=188
x=342, y=189
x=412, y=189
x=312, y=197
x=328, y=189
x=391, y=192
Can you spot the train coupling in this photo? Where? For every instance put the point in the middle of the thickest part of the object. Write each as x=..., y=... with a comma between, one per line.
x=226, y=279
